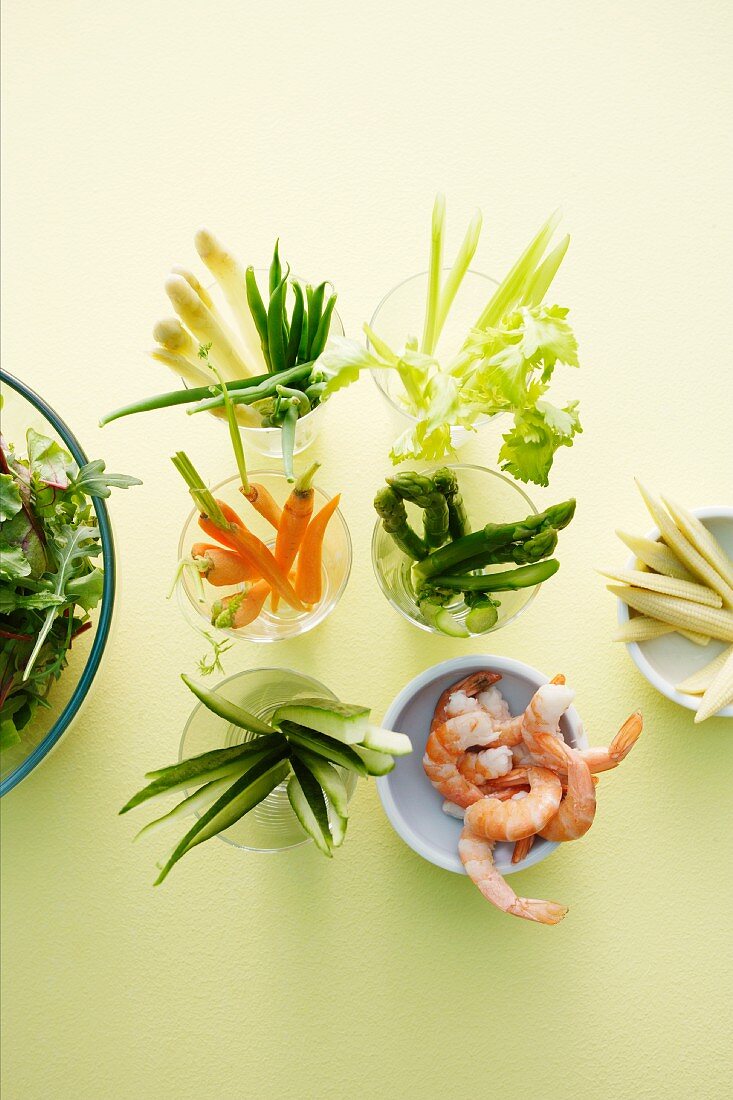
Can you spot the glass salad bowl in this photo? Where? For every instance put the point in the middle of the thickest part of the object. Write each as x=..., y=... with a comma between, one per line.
x=489, y=497
x=269, y=626
x=400, y=314
x=272, y=825
x=23, y=409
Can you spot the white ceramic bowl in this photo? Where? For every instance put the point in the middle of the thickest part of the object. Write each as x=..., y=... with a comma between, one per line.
x=411, y=803
x=668, y=660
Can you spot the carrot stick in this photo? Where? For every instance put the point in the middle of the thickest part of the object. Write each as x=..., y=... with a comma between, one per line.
x=308, y=579
x=241, y=609
x=263, y=502
x=295, y=518
x=223, y=567
x=249, y=546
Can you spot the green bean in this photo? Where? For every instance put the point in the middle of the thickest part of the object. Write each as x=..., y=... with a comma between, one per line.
x=315, y=305
x=275, y=269
x=197, y=393
x=324, y=325
x=266, y=388
x=289, y=425
x=296, y=327
x=258, y=311
x=314, y=392
x=275, y=339
x=304, y=405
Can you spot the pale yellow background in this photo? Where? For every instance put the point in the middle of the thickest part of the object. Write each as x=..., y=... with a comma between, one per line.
x=377, y=975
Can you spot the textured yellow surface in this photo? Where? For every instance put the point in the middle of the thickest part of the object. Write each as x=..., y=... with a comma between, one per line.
x=128, y=124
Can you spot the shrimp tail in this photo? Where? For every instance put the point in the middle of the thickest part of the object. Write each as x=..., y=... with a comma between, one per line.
x=544, y=912
x=626, y=737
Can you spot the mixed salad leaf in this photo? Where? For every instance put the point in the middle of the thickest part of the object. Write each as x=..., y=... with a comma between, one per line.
x=50, y=574
x=505, y=365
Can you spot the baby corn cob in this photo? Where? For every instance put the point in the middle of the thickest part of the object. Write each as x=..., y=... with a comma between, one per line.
x=641, y=628
x=668, y=586
x=696, y=639
x=701, y=680
x=684, y=550
x=719, y=694
x=682, y=614
x=703, y=541
x=656, y=555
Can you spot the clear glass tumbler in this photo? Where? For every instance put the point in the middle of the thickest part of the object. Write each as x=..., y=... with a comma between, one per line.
x=489, y=498
x=271, y=826
x=269, y=626
x=401, y=314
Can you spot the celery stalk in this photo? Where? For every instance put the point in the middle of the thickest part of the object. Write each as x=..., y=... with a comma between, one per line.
x=436, y=259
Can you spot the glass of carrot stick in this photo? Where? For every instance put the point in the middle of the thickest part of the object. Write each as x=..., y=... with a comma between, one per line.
x=261, y=559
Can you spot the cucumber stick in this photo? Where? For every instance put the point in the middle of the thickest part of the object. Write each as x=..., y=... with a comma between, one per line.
x=343, y=721
x=199, y=800
x=196, y=778
x=376, y=763
x=245, y=793
x=329, y=779
x=230, y=712
x=386, y=741
x=195, y=765
x=309, y=805
x=338, y=753
x=338, y=827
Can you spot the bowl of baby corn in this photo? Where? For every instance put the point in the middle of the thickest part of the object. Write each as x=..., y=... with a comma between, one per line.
x=675, y=604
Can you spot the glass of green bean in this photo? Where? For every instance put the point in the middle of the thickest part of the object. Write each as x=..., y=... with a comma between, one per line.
x=488, y=497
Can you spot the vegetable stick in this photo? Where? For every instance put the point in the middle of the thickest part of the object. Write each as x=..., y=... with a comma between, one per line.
x=171, y=335
x=195, y=376
x=263, y=502
x=230, y=276
x=241, y=609
x=295, y=518
x=695, y=638
x=456, y=274
x=222, y=567
x=682, y=614
x=641, y=628
x=194, y=283
x=701, y=680
x=719, y=694
x=702, y=539
x=669, y=586
x=656, y=555
x=436, y=253
x=545, y=273
x=206, y=327
x=684, y=550
x=308, y=579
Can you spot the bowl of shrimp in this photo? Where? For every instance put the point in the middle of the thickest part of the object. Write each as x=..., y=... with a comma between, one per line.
x=506, y=777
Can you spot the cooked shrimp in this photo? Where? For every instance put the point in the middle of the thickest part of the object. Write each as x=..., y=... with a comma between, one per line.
x=477, y=856
x=542, y=716
x=480, y=766
x=493, y=702
x=522, y=849
x=450, y=737
x=469, y=687
x=515, y=819
x=603, y=759
x=578, y=806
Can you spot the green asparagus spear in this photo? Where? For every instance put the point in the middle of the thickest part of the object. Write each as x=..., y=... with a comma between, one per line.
x=420, y=490
x=492, y=537
x=441, y=618
x=539, y=546
x=446, y=482
x=508, y=581
x=391, y=510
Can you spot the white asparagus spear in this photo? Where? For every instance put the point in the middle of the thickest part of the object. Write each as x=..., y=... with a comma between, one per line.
x=206, y=328
x=230, y=276
x=198, y=376
x=194, y=284
x=171, y=335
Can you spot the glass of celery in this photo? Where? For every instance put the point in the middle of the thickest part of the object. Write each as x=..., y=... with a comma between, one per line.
x=489, y=497
x=272, y=825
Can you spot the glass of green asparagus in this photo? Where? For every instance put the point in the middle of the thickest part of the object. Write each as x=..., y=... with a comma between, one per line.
x=461, y=550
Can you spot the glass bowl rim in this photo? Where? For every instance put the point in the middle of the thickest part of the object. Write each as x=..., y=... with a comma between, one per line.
x=376, y=374
x=199, y=705
x=101, y=634
x=377, y=531
x=257, y=475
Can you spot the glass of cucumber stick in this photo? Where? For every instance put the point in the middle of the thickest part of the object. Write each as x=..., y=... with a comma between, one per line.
x=488, y=497
x=272, y=825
